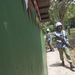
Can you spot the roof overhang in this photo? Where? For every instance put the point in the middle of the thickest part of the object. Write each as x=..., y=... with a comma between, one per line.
x=43, y=6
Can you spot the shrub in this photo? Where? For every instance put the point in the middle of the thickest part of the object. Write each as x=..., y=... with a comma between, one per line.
x=51, y=27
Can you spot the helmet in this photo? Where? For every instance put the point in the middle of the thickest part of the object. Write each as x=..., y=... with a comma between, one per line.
x=48, y=29
x=58, y=24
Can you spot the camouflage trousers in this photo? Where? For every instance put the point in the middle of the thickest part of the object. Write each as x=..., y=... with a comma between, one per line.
x=67, y=53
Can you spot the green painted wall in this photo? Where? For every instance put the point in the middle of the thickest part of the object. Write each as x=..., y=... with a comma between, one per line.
x=22, y=50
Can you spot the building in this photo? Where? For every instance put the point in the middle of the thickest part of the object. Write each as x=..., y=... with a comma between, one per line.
x=22, y=50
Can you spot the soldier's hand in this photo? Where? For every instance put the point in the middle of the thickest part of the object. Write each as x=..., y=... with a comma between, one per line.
x=59, y=41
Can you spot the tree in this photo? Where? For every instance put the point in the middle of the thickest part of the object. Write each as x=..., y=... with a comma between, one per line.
x=70, y=15
x=58, y=9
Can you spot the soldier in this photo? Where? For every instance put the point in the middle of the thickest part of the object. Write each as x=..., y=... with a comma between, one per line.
x=49, y=39
x=62, y=47
x=68, y=28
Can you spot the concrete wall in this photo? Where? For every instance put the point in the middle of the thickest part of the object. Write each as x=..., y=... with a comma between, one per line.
x=22, y=50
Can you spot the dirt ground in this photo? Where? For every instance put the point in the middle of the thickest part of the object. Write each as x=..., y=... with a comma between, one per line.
x=54, y=64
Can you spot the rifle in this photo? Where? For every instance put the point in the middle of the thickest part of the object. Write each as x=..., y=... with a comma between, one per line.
x=63, y=41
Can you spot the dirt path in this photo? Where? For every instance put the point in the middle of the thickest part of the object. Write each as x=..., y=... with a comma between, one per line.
x=54, y=65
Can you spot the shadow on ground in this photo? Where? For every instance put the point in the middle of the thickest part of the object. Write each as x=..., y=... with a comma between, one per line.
x=59, y=64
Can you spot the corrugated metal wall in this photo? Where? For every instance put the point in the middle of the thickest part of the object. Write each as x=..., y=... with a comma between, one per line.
x=22, y=50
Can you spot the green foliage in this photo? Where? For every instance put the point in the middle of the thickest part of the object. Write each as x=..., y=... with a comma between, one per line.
x=72, y=22
x=70, y=15
x=47, y=25
x=51, y=27
x=53, y=12
x=44, y=29
x=62, y=10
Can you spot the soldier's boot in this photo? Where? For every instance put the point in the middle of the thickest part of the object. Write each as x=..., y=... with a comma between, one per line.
x=71, y=66
x=63, y=64
x=52, y=49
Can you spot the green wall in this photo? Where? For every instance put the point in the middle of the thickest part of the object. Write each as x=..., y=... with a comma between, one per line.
x=22, y=50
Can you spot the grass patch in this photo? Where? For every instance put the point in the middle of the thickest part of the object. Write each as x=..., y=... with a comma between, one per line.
x=72, y=42
x=73, y=56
